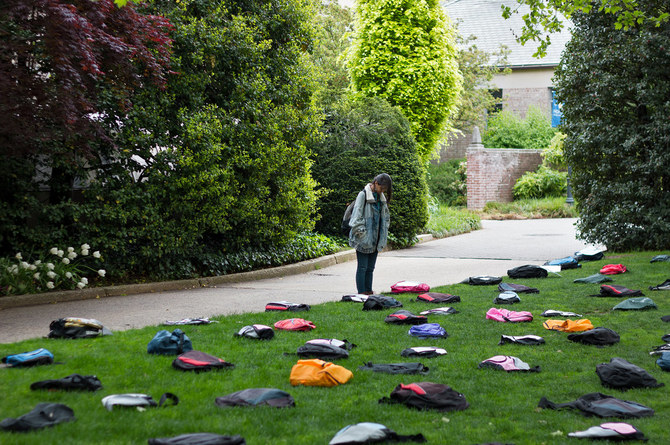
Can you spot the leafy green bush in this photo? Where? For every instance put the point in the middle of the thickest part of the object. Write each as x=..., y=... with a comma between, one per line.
x=363, y=138
x=553, y=156
x=447, y=182
x=614, y=87
x=447, y=221
x=507, y=130
x=542, y=183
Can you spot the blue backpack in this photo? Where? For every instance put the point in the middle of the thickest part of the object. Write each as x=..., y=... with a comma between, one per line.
x=167, y=343
x=37, y=357
x=428, y=330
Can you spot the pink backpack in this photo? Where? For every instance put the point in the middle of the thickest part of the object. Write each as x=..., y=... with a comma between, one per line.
x=613, y=269
x=295, y=324
x=409, y=286
x=510, y=316
x=507, y=363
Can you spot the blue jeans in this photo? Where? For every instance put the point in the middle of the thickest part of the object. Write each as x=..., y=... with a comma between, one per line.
x=366, y=266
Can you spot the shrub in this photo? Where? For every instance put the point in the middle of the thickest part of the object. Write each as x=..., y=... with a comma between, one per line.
x=363, y=138
x=447, y=182
x=543, y=183
x=553, y=156
x=506, y=130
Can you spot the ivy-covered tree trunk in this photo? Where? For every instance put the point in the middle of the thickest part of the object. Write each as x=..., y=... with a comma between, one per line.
x=614, y=86
x=404, y=51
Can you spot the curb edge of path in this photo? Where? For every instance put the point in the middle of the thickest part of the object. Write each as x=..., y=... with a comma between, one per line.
x=161, y=286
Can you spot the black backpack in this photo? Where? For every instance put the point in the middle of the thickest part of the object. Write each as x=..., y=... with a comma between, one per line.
x=438, y=298
x=601, y=405
x=380, y=302
x=521, y=339
x=518, y=288
x=621, y=374
x=367, y=432
x=527, y=271
x=614, y=290
x=256, y=331
x=286, y=306
x=72, y=327
x=395, y=368
x=43, y=415
x=597, y=336
x=325, y=349
x=423, y=351
x=427, y=395
x=199, y=439
x=482, y=280
x=346, y=230
x=199, y=361
x=405, y=317
x=257, y=397
x=71, y=382
x=507, y=297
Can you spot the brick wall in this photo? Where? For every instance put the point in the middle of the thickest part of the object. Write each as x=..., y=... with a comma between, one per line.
x=492, y=173
x=518, y=100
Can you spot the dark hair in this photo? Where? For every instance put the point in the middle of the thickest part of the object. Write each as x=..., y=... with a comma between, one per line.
x=385, y=180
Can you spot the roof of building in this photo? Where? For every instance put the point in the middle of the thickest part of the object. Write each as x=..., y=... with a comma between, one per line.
x=483, y=19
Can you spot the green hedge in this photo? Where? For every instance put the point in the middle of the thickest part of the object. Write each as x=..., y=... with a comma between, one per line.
x=447, y=182
x=507, y=130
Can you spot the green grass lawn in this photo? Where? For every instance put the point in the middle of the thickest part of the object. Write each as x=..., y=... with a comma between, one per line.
x=503, y=406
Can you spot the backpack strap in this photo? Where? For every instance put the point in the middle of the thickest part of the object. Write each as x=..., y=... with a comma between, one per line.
x=168, y=396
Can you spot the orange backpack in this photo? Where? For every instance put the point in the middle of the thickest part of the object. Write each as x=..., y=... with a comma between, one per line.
x=317, y=372
x=568, y=325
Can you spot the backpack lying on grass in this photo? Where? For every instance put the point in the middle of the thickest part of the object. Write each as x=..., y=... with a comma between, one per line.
x=664, y=361
x=71, y=382
x=568, y=325
x=518, y=288
x=593, y=279
x=37, y=357
x=613, y=269
x=355, y=298
x=409, y=286
x=405, y=317
x=427, y=395
x=659, y=258
x=428, y=330
x=614, y=290
x=438, y=298
x=507, y=297
x=380, y=302
x=635, y=304
x=167, y=343
x=199, y=439
x=366, y=433
x=482, y=280
x=199, y=361
x=43, y=415
x=189, y=321
x=601, y=405
x=423, y=351
x=74, y=327
x=325, y=349
x=295, y=324
x=440, y=311
x=504, y=315
x=589, y=254
x=610, y=431
x=567, y=262
x=621, y=374
x=507, y=363
x=257, y=332
x=286, y=306
x=555, y=313
x=527, y=271
x=597, y=336
x=522, y=340
x=395, y=368
x=257, y=397
x=317, y=372
x=663, y=286
x=139, y=401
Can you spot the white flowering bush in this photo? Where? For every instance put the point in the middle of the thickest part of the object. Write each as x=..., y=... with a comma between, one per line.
x=59, y=269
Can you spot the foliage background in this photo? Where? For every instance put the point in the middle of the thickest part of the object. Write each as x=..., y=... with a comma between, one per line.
x=614, y=87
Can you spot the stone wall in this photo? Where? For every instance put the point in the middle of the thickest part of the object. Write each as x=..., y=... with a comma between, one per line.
x=492, y=173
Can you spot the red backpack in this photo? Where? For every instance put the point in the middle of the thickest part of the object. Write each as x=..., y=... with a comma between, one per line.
x=295, y=324
x=409, y=286
x=613, y=269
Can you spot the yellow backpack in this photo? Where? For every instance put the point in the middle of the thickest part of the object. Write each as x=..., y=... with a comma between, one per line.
x=317, y=372
x=568, y=325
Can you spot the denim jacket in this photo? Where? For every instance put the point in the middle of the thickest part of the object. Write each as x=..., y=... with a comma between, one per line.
x=369, y=232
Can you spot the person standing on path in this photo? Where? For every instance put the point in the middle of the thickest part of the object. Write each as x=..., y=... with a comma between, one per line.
x=370, y=220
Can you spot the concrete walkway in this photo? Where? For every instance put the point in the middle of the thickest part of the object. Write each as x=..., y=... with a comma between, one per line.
x=497, y=247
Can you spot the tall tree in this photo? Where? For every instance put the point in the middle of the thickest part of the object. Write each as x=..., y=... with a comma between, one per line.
x=404, y=51
x=614, y=85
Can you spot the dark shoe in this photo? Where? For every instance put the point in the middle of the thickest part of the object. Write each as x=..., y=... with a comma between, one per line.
x=368, y=293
